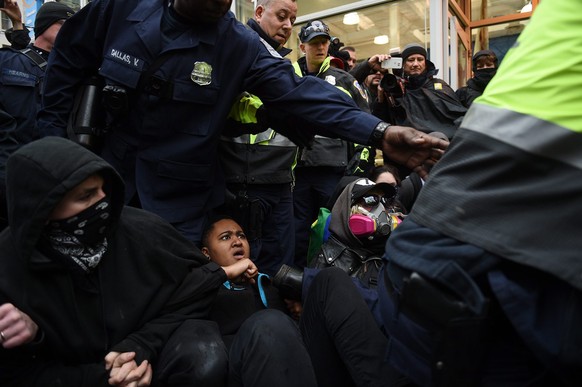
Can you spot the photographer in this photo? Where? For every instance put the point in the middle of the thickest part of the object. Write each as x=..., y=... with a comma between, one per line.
x=418, y=98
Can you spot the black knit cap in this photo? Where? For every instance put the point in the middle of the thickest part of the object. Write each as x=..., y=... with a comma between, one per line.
x=50, y=13
x=481, y=53
x=413, y=48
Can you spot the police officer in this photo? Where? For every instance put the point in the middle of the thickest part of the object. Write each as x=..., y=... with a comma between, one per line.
x=259, y=167
x=420, y=99
x=484, y=227
x=20, y=85
x=321, y=165
x=176, y=68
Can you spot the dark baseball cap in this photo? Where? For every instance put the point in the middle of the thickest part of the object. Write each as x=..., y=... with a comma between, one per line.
x=313, y=29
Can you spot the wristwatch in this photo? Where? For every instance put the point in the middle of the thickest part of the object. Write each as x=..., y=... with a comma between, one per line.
x=377, y=136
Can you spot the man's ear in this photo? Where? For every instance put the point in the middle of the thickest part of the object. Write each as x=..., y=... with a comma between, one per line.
x=302, y=47
x=259, y=13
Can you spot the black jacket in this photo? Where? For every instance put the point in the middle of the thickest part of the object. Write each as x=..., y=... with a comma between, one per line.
x=470, y=92
x=325, y=151
x=147, y=283
x=270, y=157
x=428, y=104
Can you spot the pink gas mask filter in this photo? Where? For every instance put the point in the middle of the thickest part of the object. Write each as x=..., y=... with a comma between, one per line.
x=364, y=223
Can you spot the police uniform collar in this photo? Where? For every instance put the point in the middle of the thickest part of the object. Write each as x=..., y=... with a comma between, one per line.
x=283, y=51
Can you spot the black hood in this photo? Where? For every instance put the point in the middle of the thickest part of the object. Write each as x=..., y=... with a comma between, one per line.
x=39, y=175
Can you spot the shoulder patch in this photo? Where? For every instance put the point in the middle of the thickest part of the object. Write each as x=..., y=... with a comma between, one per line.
x=270, y=49
x=438, y=86
x=330, y=79
x=361, y=90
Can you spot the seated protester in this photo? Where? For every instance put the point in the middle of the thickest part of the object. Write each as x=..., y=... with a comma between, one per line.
x=485, y=64
x=94, y=293
x=250, y=315
x=359, y=228
x=224, y=242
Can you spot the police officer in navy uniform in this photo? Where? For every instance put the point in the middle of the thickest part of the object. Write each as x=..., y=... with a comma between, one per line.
x=20, y=85
x=174, y=70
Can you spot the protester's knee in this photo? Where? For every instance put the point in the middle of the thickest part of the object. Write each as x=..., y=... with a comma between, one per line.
x=330, y=279
x=268, y=322
x=197, y=356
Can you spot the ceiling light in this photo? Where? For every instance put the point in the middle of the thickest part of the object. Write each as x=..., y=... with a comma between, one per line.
x=351, y=18
x=381, y=39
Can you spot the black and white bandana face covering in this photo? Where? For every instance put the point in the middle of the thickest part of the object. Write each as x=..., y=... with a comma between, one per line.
x=82, y=236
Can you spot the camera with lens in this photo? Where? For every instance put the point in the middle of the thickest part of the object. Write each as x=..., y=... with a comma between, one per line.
x=392, y=84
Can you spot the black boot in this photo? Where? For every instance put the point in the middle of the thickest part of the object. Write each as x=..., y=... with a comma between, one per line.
x=289, y=281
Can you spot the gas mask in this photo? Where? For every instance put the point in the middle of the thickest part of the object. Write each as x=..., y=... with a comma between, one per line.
x=370, y=224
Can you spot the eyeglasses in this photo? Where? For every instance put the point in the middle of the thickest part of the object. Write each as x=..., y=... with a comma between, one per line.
x=316, y=26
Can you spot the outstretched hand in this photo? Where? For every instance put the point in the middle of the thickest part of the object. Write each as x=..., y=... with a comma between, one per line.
x=416, y=150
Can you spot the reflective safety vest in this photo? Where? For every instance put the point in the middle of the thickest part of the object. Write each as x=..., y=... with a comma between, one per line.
x=267, y=157
x=511, y=181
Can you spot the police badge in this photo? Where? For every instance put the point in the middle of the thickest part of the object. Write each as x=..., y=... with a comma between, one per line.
x=202, y=73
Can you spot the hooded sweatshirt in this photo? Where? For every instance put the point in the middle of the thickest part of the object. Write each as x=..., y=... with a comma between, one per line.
x=346, y=251
x=146, y=284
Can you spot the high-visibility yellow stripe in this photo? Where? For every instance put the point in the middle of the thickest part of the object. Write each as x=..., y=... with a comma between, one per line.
x=542, y=75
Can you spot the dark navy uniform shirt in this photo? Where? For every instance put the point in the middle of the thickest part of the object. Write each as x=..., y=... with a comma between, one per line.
x=20, y=83
x=166, y=146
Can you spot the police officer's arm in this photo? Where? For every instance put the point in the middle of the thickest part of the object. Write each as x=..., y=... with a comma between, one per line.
x=317, y=107
x=76, y=55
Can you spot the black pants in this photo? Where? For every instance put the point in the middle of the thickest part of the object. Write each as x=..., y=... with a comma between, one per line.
x=346, y=345
x=268, y=351
x=193, y=356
